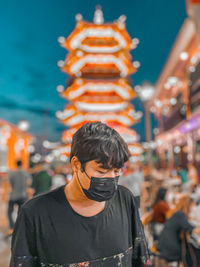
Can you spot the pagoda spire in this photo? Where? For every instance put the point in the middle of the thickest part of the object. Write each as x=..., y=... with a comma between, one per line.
x=98, y=16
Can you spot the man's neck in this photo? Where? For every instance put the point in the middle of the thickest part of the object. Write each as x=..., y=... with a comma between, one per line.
x=79, y=202
x=74, y=191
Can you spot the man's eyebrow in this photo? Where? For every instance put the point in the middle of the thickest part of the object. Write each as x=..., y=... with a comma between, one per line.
x=101, y=167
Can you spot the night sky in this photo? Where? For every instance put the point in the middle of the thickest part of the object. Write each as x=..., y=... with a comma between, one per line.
x=29, y=51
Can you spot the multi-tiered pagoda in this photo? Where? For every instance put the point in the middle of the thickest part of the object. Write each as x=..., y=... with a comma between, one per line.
x=99, y=63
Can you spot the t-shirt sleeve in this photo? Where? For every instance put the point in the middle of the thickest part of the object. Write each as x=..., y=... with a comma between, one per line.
x=140, y=247
x=23, y=252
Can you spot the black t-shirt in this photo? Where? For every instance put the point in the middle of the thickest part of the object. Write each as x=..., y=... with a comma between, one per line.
x=169, y=242
x=48, y=232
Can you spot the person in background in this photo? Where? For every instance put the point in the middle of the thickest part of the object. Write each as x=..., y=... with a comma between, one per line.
x=193, y=174
x=133, y=180
x=19, y=181
x=160, y=209
x=186, y=183
x=182, y=172
x=197, y=160
x=169, y=243
x=42, y=180
x=58, y=178
x=194, y=214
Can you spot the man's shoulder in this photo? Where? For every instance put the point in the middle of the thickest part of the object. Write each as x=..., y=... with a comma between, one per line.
x=43, y=200
x=178, y=216
x=125, y=193
x=25, y=173
x=125, y=197
x=124, y=190
x=44, y=173
x=12, y=173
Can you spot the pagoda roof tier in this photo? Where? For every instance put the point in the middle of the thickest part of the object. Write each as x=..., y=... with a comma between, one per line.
x=73, y=117
x=91, y=106
x=94, y=38
x=68, y=134
x=93, y=100
x=101, y=104
x=79, y=63
x=129, y=135
x=85, y=87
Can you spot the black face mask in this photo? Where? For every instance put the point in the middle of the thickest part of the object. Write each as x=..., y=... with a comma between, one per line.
x=101, y=189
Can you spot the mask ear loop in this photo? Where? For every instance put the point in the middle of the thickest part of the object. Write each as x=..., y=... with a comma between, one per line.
x=83, y=170
x=79, y=179
x=87, y=175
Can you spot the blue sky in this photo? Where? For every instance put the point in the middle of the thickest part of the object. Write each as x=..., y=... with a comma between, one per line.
x=29, y=51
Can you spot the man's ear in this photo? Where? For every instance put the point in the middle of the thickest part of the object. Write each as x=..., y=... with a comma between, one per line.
x=75, y=164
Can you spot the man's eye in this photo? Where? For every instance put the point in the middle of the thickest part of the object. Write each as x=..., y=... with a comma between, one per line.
x=101, y=172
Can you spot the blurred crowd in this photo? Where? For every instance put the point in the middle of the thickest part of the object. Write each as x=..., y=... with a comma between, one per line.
x=171, y=215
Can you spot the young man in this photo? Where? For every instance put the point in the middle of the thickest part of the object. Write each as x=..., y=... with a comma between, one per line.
x=89, y=222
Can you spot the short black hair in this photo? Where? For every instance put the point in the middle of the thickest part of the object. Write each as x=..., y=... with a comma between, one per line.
x=19, y=163
x=97, y=141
